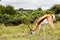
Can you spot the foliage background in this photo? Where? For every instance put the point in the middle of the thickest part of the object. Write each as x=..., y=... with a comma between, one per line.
x=14, y=23
x=11, y=16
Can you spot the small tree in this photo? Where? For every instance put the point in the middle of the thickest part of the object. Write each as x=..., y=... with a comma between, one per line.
x=55, y=8
x=10, y=10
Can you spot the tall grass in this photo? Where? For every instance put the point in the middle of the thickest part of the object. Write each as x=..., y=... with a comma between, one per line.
x=22, y=32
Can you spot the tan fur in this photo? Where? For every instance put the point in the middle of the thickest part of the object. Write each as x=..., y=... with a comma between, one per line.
x=49, y=17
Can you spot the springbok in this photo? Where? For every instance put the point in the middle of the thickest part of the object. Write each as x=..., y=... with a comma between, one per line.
x=48, y=18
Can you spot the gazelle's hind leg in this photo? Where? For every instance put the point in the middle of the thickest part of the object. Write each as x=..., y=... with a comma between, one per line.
x=52, y=26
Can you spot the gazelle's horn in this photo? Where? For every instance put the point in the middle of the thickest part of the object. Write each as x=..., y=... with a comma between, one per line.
x=30, y=29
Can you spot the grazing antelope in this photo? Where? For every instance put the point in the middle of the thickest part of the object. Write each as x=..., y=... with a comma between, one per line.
x=48, y=18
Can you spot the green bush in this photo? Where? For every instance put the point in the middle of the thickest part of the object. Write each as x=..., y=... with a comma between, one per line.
x=57, y=17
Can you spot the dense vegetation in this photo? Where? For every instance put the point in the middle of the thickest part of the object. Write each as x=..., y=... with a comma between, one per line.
x=11, y=16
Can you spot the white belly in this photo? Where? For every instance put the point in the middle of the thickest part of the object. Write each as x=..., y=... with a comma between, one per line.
x=44, y=22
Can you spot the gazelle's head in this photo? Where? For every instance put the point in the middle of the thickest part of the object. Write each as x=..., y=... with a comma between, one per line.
x=32, y=32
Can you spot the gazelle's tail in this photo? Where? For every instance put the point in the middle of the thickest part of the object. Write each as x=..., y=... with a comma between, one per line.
x=53, y=17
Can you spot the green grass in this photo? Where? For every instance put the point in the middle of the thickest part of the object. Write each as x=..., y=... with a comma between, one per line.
x=22, y=32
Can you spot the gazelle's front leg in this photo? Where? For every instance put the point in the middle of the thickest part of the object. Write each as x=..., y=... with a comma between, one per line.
x=43, y=30
x=39, y=29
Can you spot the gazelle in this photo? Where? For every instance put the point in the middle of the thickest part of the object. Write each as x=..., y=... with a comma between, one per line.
x=48, y=18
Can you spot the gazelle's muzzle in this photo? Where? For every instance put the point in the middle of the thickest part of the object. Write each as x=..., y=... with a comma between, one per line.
x=32, y=32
